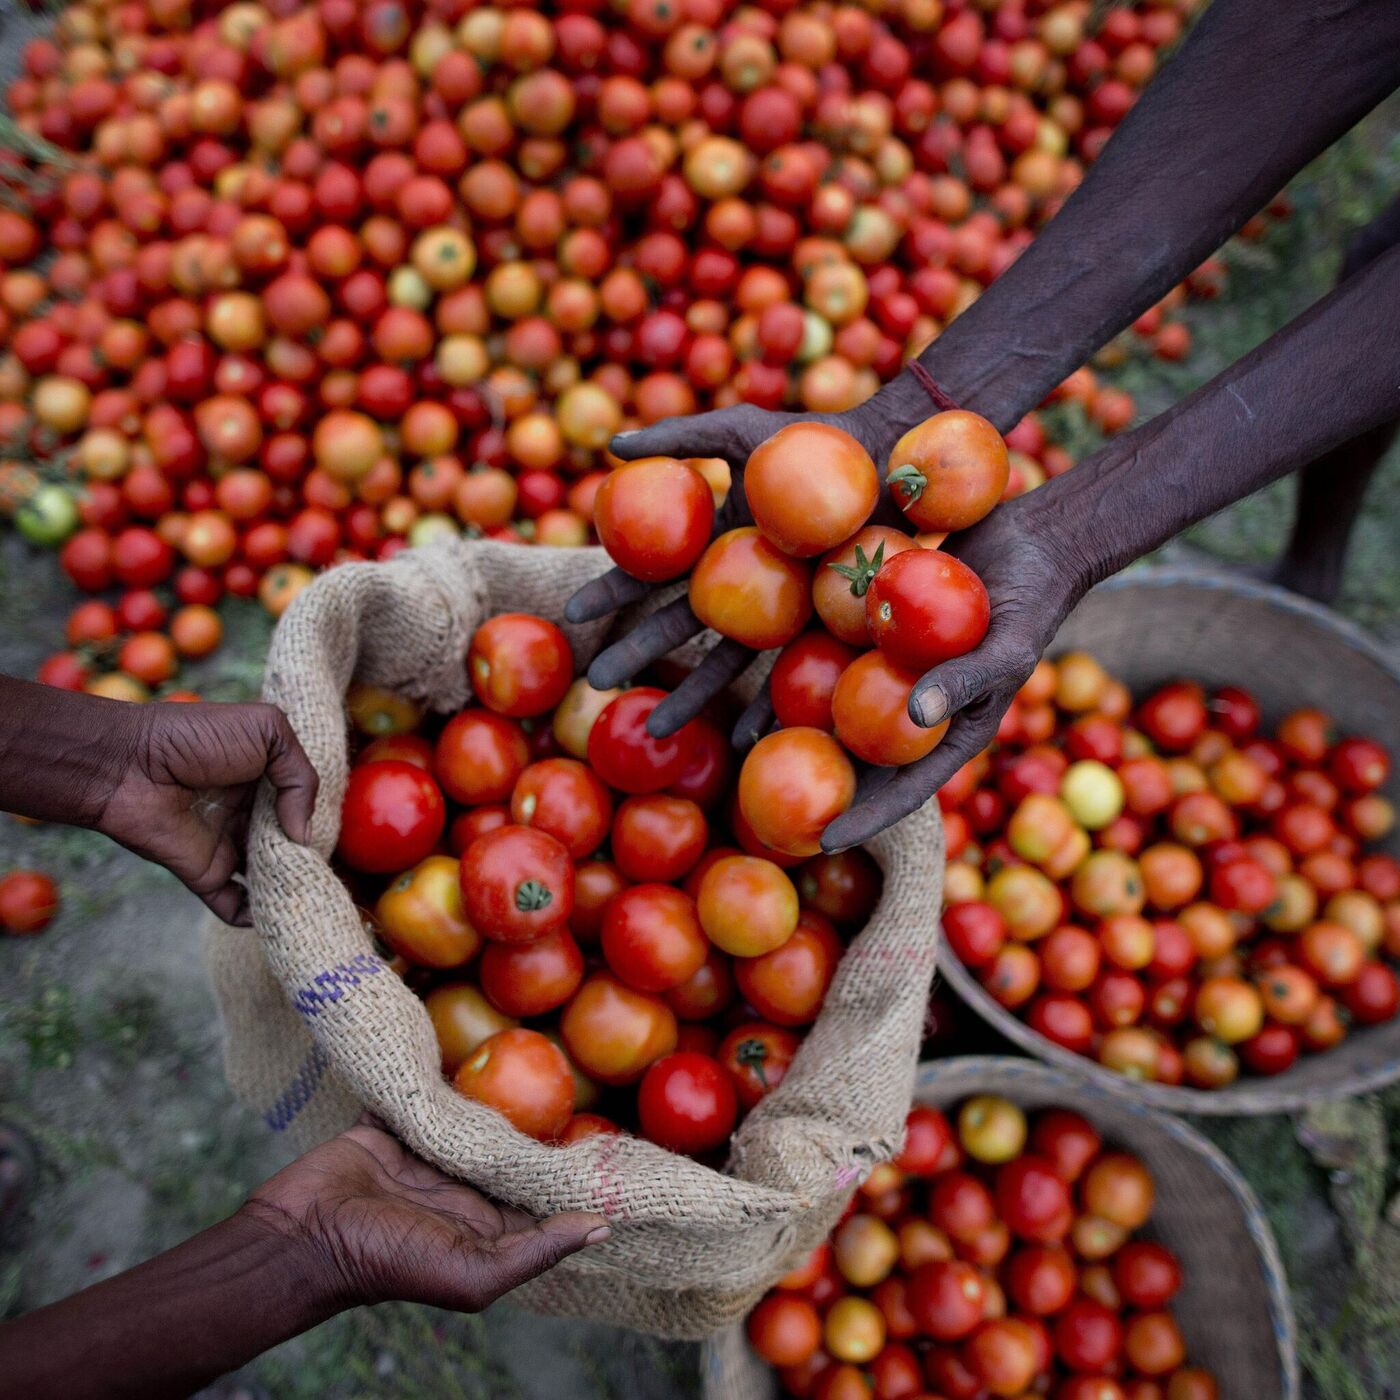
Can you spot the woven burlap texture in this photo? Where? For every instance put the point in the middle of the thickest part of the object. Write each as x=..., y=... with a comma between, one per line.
x=692, y=1248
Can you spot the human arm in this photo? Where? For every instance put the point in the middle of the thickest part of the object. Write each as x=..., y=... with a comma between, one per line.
x=357, y=1220
x=172, y=782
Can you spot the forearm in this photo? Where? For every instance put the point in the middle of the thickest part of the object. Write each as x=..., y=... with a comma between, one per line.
x=1255, y=92
x=169, y=1326
x=59, y=751
x=1324, y=378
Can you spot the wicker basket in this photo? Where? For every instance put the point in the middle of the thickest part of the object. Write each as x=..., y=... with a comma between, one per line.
x=1158, y=624
x=1233, y=1308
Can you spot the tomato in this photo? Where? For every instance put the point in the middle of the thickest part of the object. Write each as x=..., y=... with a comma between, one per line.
x=1041, y=1279
x=586, y=1125
x=949, y=471
x=1003, y=1354
x=1034, y=1200
x=1305, y=735
x=747, y=906
x=788, y=985
x=865, y=1250
x=854, y=1330
x=575, y=713
x=871, y=710
x=520, y=665
x=1067, y=1140
x=391, y=817
x=613, y=1032
x=686, y=1103
x=804, y=677
x=947, y=1299
x=658, y=837
x=625, y=755
x=706, y=992
x=1174, y=717
x=1152, y=1344
x=809, y=487
x=744, y=588
x=529, y=979
x=517, y=884
x=596, y=881
x=757, y=1057
x=1358, y=765
x=1088, y=1336
x=524, y=1077
x=929, y=1144
x=784, y=1329
x=991, y=1129
x=1118, y=1188
x=925, y=607
x=705, y=778
x=792, y=785
x=843, y=578
x=479, y=757
x=652, y=939
x=462, y=1019
x=654, y=517
x=28, y=901
x=420, y=915
x=564, y=798
x=1373, y=995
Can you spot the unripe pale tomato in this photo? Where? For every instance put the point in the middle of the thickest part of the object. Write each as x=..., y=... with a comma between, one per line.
x=420, y=915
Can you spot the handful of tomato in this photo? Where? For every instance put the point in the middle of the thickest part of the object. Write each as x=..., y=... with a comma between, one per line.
x=996, y=1258
x=811, y=488
x=1168, y=888
x=600, y=940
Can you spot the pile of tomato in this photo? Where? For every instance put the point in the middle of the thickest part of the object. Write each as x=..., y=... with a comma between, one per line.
x=1167, y=887
x=598, y=938
x=994, y=1257
x=304, y=282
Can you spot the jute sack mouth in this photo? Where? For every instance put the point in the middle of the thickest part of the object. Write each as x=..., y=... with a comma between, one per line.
x=317, y=1027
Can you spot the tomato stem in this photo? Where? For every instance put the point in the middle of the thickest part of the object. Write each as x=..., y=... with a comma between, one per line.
x=531, y=895
x=908, y=480
x=863, y=570
x=753, y=1054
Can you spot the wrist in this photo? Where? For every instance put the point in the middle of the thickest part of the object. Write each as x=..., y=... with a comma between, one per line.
x=299, y=1259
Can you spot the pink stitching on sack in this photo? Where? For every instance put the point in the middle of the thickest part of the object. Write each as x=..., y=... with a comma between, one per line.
x=607, y=1190
x=845, y=1176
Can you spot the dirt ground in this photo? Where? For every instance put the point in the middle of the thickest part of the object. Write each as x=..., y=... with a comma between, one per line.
x=109, y=1051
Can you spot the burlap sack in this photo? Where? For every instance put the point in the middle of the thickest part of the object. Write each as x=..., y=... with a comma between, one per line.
x=316, y=1027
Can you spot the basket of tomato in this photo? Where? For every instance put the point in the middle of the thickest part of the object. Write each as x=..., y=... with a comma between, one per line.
x=551, y=954
x=1176, y=872
x=1034, y=1237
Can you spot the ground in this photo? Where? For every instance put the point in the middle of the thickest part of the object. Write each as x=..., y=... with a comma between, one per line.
x=109, y=1051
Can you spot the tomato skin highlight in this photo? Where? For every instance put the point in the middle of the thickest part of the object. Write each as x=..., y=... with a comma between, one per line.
x=391, y=818
x=745, y=588
x=792, y=785
x=925, y=607
x=654, y=517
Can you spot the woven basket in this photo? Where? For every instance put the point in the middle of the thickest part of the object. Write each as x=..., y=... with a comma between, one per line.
x=1233, y=1308
x=1158, y=624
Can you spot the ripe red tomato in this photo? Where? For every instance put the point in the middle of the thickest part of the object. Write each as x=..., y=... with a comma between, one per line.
x=517, y=884
x=871, y=710
x=949, y=471
x=1174, y=717
x=1147, y=1274
x=654, y=517
x=705, y=778
x=844, y=575
x=1358, y=765
x=793, y=784
x=757, y=1057
x=564, y=798
x=391, y=817
x=520, y=665
x=28, y=901
x=1088, y=1336
x=975, y=931
x=625, y=755
x=930, y=1145
x=745, y=588
x=596, y=881
x=804, y=677
x=925, y=607
x=788, y=985
x=686, y=1103
x=1373, y=995
x=479, y=757
x=523, y=1076
x=658, y=837
x=613, y=1032
x=947, y=1299
x=784, y=1329
x=809, y=487
x=1034, y=1200
x=652, y=939
x=529, y=979
x=1041, y=1279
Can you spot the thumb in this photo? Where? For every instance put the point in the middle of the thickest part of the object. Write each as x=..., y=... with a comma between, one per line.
x=1004, y=661
x=535, y=1248
x=290, y=772
x=726, y=432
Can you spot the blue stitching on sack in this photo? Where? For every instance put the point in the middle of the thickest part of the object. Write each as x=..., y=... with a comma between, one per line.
x=298, y=1093
x=328, y=987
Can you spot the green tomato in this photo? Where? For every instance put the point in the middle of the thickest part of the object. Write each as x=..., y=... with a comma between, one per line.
x=433, y=526
x=1093, y=792
x=817, y=337
x=48, y=517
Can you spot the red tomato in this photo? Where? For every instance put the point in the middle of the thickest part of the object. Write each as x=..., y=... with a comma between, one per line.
x=1147, y=1274
x=930, y=1145
x=1358, y=765
x=948, y=472
x=975, y=932
x=788, y=985
x=614, y=1032
x=871, y=709
x=947, y=1299
x=528, y=979
x=809, y=487
x=524, y=1077
x=596, y=881
x=804, y=677
x=28, y=901
x=625, y=755
x=793, y=784
x=925, y=607
x=564, y=798
x=686, y=1103
x=745, y=588
x=843, y=578
x=517, y=884
x=845, y=886
x=1174, y=717
x=520, y=665
x=757, y=1057
x=784, y=1329
x=1088, y=1336
x=479, y=756
x=705, y=778
x=1034, y=1200
x=658, y=837
x=391, y=818
x=654, y=517
x=1373, y=995
x=652, y=939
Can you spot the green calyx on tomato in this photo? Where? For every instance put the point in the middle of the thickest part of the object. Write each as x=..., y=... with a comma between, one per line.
x=531, y=895
x=863, y=570
x=753, y=1054
x=909, y=481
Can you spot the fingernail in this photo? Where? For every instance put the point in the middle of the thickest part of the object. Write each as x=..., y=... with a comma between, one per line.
x=626, y=433
x=930, y=708
x=598, y=1234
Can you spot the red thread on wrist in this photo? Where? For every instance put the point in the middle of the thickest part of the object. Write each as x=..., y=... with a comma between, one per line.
x=942, y=399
